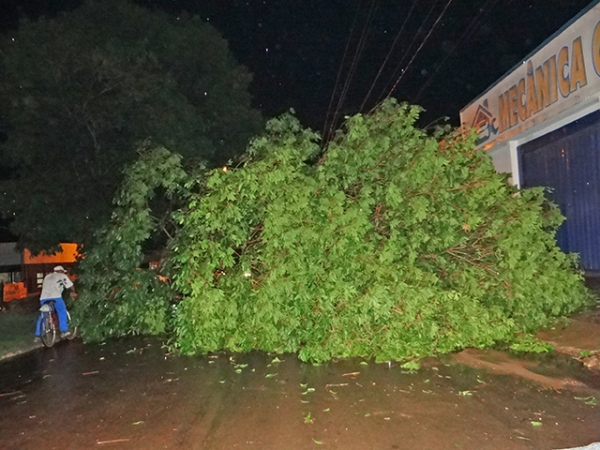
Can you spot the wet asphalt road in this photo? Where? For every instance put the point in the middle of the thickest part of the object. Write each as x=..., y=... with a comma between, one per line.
x=131, y=394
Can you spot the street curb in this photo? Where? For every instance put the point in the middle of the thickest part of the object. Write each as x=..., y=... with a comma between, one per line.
x=21, y=351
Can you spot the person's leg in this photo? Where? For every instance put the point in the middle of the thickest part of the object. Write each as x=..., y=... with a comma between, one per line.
x=38, y=327
x=61, y=310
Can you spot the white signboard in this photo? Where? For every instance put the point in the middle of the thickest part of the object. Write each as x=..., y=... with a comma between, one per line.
x=561, y=74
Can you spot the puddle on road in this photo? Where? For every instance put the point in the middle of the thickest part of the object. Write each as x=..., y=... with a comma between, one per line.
x=549, y=370
x=129, y=394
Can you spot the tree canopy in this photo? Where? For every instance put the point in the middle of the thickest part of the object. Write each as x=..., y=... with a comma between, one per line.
x=81, y=91
x=391, y=244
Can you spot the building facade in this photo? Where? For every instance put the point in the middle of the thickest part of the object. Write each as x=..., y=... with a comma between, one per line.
x=21, y=273
x=541, y=123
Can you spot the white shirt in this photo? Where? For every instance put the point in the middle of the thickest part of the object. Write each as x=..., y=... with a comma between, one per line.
x=53, y=285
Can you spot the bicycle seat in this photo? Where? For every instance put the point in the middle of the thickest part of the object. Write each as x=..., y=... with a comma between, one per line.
x=46, y=307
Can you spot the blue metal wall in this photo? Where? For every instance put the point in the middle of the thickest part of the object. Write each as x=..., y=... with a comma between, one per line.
x=567, y=161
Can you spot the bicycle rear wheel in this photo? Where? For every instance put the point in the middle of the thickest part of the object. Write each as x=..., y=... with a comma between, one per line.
x=48, y=330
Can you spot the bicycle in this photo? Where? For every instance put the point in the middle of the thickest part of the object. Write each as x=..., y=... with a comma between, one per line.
x=49, y=330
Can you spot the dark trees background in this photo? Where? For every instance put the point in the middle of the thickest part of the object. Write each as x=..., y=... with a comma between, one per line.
x=80, y=92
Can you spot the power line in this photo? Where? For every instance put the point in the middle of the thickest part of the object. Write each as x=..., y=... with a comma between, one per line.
x=354, y=64
x=339, y=74
x=468, y=32
x=420, y=47
x=407, y=51
x=388, y=55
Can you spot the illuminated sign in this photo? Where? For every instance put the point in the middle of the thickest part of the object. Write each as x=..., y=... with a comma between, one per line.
x=561, y=74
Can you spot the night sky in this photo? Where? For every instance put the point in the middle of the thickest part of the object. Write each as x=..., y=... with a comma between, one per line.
x=298, y=49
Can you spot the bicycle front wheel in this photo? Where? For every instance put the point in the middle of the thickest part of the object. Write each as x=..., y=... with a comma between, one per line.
x=72, y=329
x=48, y=330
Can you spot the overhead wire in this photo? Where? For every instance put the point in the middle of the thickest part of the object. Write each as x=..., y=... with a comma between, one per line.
x=406, y=52
x=339, y=74
x=388, y=54
x=354, y=64
x=328, y=128
x=466, y=35
x=420, y=47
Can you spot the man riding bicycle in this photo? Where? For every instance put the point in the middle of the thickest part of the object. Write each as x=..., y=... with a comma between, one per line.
x=52, y=288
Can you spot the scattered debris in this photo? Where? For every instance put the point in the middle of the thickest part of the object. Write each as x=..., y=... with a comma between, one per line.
x=411, y=366
x=522, y=438
x=591, y=400
x=350, y=374
x=327, y=386
x=592, y=361
x=112, y=441
x=10, y=393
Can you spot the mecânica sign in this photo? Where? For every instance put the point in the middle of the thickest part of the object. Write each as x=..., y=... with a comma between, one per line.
x=562, y=73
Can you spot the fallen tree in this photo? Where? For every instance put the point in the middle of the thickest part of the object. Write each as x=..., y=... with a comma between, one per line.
x=391, y=244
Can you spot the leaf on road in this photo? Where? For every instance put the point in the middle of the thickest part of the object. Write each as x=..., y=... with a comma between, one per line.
x=591, y=400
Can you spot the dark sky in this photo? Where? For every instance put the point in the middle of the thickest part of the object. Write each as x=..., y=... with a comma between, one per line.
x=296, y=48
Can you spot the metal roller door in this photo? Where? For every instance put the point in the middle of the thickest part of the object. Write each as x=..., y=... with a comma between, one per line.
x=567, y=161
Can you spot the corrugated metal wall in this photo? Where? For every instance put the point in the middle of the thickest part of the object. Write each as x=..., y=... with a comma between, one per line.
x=567, y=161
